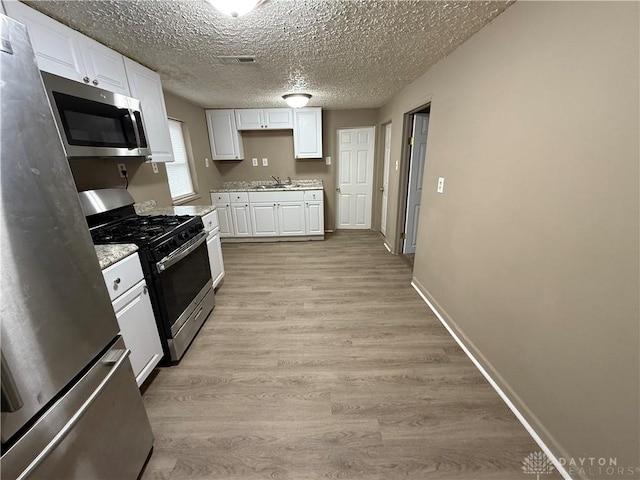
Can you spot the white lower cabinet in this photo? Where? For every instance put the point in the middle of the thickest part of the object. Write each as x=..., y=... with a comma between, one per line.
x=291, y=218
x=264, y=219
x=131, y=303
x=241, y=218
x=223, y=206
x=214, y=249
x=139, y=330
x=257, y=214
x=314, y=212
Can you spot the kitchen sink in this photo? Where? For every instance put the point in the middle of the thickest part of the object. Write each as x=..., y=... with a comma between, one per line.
x=274, y=187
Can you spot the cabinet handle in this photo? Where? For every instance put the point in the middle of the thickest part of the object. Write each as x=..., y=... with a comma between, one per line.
x=95, y=82
x=274, y=204
x=86, y=79
x=116, y=282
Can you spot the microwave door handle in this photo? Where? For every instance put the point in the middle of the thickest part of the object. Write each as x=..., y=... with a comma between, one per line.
x=134, y=124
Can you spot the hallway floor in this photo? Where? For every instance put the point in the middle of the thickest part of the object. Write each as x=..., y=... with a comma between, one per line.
x=321, y=361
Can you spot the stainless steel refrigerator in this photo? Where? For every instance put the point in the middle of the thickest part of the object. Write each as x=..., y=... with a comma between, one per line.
x=70, y=404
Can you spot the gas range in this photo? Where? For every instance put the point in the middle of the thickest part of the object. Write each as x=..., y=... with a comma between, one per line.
x=158, y=235
x=174, y=258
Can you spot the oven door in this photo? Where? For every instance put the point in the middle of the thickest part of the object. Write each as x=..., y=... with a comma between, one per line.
x=181, y=278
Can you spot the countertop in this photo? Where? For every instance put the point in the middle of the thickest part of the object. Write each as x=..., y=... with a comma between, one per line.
x=150, y=208
x=250, y=186
x=110, y=254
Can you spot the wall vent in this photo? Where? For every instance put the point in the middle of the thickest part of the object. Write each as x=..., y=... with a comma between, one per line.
x=237, y=59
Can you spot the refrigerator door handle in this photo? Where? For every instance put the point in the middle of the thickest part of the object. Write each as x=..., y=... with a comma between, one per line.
x=64, y=431
x=11, y=399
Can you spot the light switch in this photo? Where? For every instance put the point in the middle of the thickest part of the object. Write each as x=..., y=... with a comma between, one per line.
x=265, y=162
x=440, y=188
x=155, y=167
x=254, y=162
x=206, y=162
x=328, y=160
x=396, y=165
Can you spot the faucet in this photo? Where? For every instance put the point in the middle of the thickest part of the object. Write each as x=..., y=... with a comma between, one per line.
x=289, y=180
x=277, y=179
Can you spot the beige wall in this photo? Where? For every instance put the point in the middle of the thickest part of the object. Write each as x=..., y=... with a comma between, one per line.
x=92, y=173
x=277, y=147
x=532, y=252
x=196, y=136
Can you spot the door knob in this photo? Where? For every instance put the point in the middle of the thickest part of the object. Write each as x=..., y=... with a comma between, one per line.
x=382, y=189
x=338, y=189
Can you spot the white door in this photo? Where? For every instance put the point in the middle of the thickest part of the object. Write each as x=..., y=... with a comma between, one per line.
x=416, y=172
x=385, y=179
x=355, y=177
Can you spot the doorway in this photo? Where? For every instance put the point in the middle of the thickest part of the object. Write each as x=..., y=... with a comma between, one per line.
x=355, y=177
x=417, y=161
x=385, y=179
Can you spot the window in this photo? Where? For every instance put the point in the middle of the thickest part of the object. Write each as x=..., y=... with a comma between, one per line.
x=178, y=171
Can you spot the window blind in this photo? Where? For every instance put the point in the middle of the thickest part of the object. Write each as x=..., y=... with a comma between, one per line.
x=178, y=171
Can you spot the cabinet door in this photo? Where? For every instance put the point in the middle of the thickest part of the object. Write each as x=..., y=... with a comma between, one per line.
x=226, y=143
x=215, y=257
x=241, y=219
x=278, y=118
x=56, y=46
x=139, y=331
x=264, y=219
x=307, y=132
x=105, y=67
x=314, y=218
x=224, y=217
x=291, y=218
x=249, y=119
x=146, y=86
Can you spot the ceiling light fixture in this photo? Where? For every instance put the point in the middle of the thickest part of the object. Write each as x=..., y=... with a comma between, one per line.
x=235, y=8
x=296, y=100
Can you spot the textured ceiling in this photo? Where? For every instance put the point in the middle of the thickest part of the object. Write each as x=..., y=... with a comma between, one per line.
x=346, y=53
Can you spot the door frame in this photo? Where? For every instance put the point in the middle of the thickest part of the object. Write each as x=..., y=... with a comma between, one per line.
x=337, y=175
x=382, y=213
x=403, y=174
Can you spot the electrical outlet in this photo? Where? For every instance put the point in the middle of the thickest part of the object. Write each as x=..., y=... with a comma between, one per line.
x=206, y=163
x=154, y=166
x=254, y=162
x=122, y=170
x=328, y=160
x=265, y=162
x=440, y=188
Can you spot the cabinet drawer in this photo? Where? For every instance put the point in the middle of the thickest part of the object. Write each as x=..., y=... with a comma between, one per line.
x=313, y=195
x=211, y=221
x=279, y=196
x=238, y=197
x=220, y=198
x=123, y=275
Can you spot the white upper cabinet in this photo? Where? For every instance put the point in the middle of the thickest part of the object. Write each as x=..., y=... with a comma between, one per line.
x=105, y=67
x=264, y=119
x=63, y=51
x=223, y=135
x=249, y=119
x=146, y=86
x=307, y=132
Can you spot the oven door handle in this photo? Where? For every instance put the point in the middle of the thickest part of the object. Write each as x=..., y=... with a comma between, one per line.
x=182, y=252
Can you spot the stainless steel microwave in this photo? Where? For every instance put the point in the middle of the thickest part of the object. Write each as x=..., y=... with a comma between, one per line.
x=96, y=123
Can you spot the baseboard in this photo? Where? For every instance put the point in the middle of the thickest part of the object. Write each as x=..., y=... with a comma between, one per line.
x=508, y=396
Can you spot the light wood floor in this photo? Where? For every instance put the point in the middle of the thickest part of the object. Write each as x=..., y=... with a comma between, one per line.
x=321, y=361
